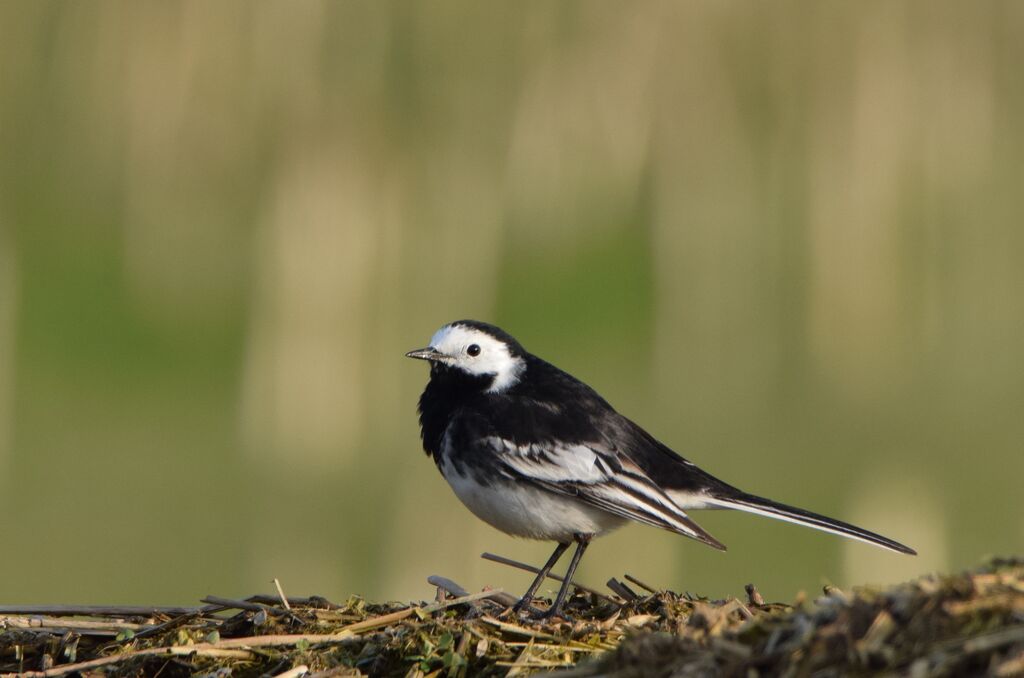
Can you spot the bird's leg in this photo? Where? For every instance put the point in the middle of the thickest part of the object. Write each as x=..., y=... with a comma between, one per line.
x=582, y=542
x=541, y=576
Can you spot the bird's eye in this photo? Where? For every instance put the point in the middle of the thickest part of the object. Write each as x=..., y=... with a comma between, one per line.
x=473, y=350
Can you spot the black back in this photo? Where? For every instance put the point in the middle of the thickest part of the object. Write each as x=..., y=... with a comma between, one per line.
x=546, y=406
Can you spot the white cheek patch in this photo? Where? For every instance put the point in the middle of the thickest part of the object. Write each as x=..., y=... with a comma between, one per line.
x=507, y=378
x=494, y=357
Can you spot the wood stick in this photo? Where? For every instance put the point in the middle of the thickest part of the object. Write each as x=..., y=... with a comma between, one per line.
x=461, y=600
x=446, y=584
x=530, y=568
x=499, y=597
x=517, y=630
x=622, y=590
x=81, y=625
x=753, y=595
x=98, y=610
x=312, y=601
x=284, y=600
x=281, y=639
x=385, y=619
x=174, y=622
x=639, y=583
x=203, y=650
x=227, y=603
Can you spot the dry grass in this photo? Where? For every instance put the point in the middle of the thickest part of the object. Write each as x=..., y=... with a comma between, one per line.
x=967, y=624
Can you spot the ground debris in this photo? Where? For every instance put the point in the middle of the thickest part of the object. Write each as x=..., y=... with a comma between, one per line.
x=962, y=625
x=970, y=624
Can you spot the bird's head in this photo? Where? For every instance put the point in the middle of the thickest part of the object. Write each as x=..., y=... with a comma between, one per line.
x=480, y=352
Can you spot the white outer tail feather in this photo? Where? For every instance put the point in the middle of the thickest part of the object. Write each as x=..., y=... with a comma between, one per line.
x=753, y=504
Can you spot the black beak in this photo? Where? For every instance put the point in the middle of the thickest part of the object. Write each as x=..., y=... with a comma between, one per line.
x=427, y=353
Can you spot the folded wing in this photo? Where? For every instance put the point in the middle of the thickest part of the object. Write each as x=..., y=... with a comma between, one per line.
x=596, y=476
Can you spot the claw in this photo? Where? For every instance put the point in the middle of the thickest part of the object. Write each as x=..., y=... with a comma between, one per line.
x=553, y=613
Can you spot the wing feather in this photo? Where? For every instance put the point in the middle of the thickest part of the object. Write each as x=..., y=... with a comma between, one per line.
x=596, y=476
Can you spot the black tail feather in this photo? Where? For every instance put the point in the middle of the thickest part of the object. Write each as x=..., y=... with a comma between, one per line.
x=742, y=501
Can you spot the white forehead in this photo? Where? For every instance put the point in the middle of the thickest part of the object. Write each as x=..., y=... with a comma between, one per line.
x=453, y=338
x=494, y=357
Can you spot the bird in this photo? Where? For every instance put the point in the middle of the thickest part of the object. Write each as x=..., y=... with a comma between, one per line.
x=537, y=453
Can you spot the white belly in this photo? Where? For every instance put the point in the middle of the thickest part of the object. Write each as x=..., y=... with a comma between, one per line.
x=526, y=511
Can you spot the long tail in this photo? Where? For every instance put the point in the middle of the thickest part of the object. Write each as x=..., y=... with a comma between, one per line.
x=742, y=501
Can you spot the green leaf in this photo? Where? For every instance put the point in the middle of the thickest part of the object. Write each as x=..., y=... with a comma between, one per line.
x=445, y=641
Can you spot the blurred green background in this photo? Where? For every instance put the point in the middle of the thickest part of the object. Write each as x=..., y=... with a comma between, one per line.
x=787, y=238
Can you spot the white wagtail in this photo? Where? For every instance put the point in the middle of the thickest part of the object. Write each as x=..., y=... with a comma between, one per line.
x=537, y=453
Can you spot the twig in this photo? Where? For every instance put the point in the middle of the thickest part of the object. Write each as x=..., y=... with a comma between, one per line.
x=522, y=661
x=81, y=625
x=744, y=610
x=281, y=639
x=446, y=584
x=299, y=670
x=68, y=646
x=518, y=666
x=312, y=601
x=98, y=610
x=280, y=592
x=399, y=615
x=1010, y=667
x=331, y=673
x=170, y=624
x=529, y=568
x=374, y=622
x=994, y=639
x=574, y=646
x=227, y=603
x=835, y=592
x=517, y=630
x=499, y=597
x=622, y=590
x=639, y=583
x=202, y=650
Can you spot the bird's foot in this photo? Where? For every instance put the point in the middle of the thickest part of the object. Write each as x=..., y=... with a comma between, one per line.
x=555, y=614
x=526, y=612
x=521, y=610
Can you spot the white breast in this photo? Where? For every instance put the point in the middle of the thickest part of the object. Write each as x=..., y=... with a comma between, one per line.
x=524, y=510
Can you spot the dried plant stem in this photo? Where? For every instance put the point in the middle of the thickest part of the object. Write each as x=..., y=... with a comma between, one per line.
x=622, y=590
x=280, y=592
x=639, y=583
x=530, y=568
x=499, y=597
x=80, y=625
x=228, y=603
x=204, y=650
x=99, y=610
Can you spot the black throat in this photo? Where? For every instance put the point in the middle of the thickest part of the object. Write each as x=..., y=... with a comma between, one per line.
x=448, y=390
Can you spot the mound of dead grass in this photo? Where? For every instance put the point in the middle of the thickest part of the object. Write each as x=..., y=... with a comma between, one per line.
x=959, y=625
